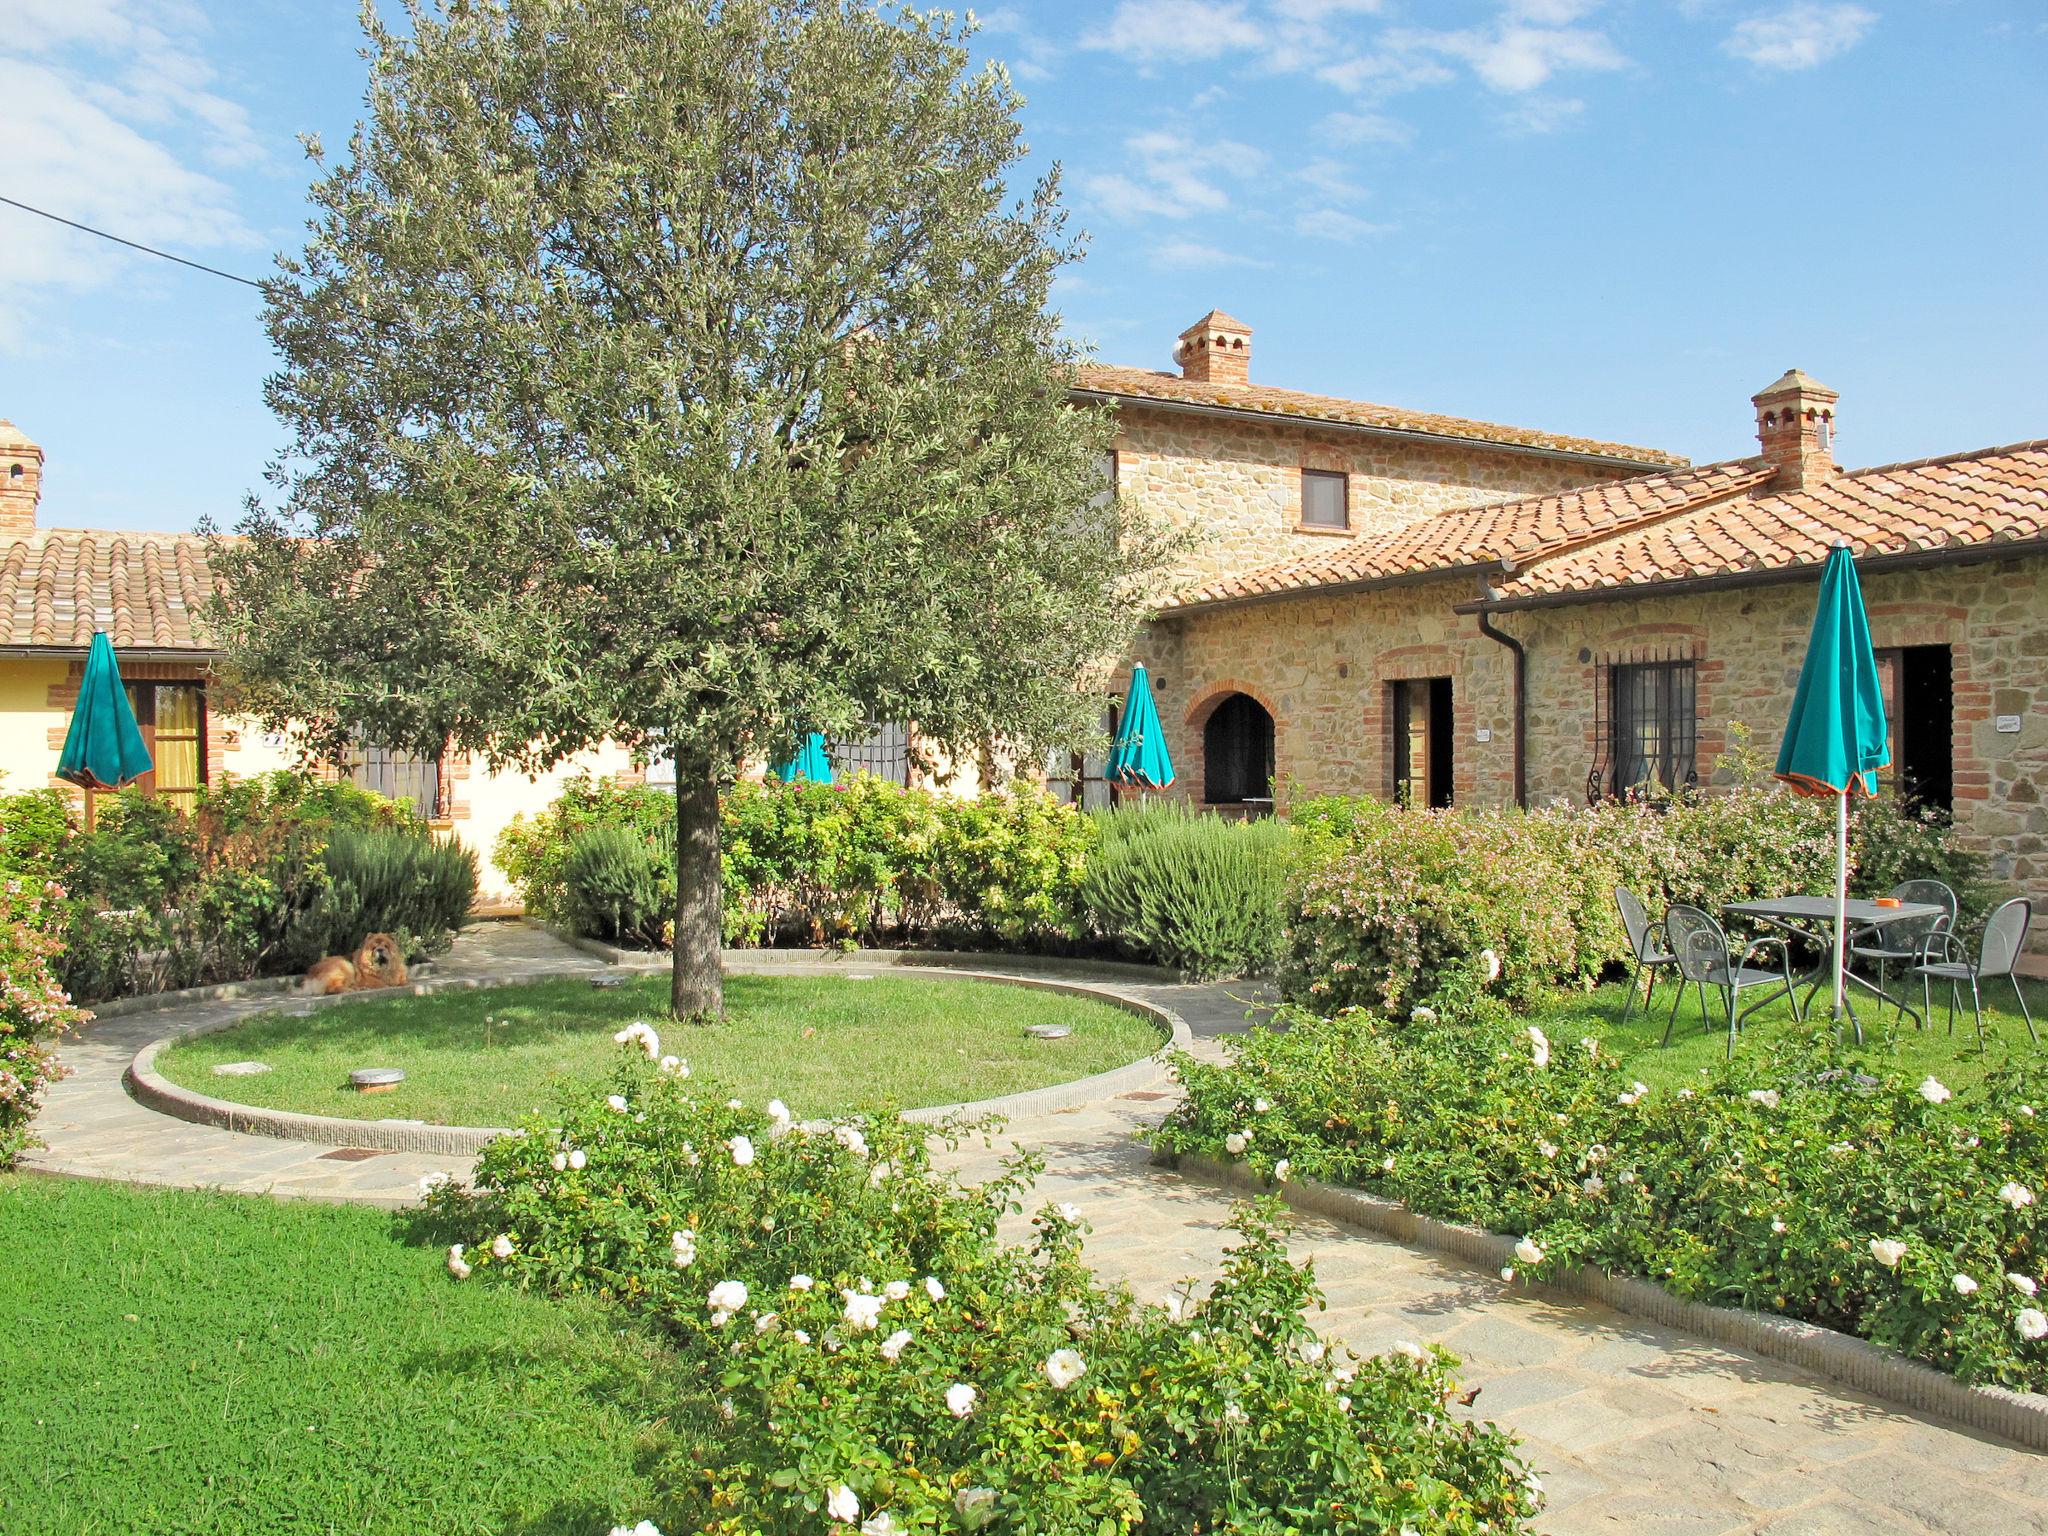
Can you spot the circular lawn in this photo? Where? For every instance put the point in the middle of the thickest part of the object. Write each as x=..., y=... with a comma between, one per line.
x=825, y=1045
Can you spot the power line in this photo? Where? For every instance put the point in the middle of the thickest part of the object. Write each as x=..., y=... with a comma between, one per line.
x=133, y=245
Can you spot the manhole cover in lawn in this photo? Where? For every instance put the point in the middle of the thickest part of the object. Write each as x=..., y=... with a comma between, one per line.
x=351, y=1154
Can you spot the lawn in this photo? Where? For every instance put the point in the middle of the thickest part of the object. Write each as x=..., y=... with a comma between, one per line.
x=1914, y=1053
x=217, y=1365
x=825, y=1045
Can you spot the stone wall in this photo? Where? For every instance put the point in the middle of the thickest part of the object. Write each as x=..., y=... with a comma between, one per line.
x=1237, y=483
x=1321, y=666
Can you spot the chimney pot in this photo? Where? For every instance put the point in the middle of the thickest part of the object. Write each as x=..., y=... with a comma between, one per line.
x=1795, y=424
x=1215, y=350
x=21, y=482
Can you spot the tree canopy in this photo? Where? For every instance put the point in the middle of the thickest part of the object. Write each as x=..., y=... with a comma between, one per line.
x=681, y=375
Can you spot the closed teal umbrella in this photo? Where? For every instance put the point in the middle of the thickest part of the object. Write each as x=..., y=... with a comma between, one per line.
x=807, y=762
x=1835, y=740
x=1139, y=756
x=103, y=748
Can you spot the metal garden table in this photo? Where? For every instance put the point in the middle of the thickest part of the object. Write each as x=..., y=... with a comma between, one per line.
x=1812, y=919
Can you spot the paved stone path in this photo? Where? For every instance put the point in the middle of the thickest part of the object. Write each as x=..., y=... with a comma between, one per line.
x=93, y=1129
x=1634, y=1428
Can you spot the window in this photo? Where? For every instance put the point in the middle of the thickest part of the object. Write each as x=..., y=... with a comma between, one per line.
x=402, y=776
x=1653, y=726
x=1421, y=709
x=1237, y=753
x=1076, y=778
x=1919, y=712
x=1325, y=498
x=173, y=721
x=883, y=752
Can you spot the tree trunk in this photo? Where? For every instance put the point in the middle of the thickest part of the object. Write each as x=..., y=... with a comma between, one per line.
x=696, y=985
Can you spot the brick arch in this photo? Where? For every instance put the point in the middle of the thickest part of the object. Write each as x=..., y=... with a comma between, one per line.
x=1433, y=660
x=1204, y=704
x=1917, y=623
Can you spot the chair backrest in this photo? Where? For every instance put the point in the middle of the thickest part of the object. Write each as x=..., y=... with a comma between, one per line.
x=2005, y=935
x=1915, y=932
x=1635, y=919
x=1699, y=944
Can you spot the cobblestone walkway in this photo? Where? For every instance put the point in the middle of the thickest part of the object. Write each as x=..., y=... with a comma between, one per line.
x=1634, y=1428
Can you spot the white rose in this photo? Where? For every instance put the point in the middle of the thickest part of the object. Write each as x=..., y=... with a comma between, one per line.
x=2024, y=1284
x=1768, y=1097
x=577, y=1158
x=1527, y=1251
x=2032, y=1323
x=894, y=1345
x=1887, y=1251
x=1064, y=1367
x=801, y=1282
x=841, y=1504
x=2016, y=1195
x=457, y=1265
x=863, y=1311
x=960, y=1399
x=1235, y=1143
x=1933, y=1092
x=728, y=1296
x=896, y=1290
x=1280, y=1171
x=933, y=1289
x=1965, y=1286
x=616, y=1101
x=501, y=1247
x=742, y=1151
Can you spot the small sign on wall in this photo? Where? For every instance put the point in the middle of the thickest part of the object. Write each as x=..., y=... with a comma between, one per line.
x=1483, y=734
x=2007, y=725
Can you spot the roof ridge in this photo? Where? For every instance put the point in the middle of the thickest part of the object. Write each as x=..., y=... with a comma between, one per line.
x=2026, y=445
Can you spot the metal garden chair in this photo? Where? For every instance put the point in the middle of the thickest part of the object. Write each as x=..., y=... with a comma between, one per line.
x=1910, y=942
x=1704, y=957
x=1642, y=948
x=1998, y=953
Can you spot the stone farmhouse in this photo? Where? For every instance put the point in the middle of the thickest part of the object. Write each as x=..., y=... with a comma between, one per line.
x=1377, y=601
x=1388, y=602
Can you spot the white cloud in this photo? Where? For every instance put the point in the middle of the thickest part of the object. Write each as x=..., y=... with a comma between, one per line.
x=1364, y=128
x=1183, y=255
x=1514, y=56
x=1799, y=36
x=1335, y=224
x=1332, y=178
x=1176, y=176
x=1154, y=31
x=107, y=104
x=1542, y=114
x=1027, y=51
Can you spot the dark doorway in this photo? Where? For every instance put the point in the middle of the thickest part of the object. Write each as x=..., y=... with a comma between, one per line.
x=1919, y=710
x=1422, y=740
x=1237, y=753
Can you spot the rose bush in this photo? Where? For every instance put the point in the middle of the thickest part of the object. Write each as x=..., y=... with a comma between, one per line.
x=1778, y=1184
x=34, y=1008
x=874, y=1358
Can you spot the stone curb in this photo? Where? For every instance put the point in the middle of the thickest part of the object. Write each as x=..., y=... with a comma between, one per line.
x=908, y=959
x=152, y=1090
x=2021, y=1417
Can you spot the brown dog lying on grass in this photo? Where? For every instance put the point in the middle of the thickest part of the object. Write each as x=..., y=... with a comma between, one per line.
x=379, y=963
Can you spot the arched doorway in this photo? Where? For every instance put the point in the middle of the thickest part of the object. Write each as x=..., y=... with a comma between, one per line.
x=1237, y=753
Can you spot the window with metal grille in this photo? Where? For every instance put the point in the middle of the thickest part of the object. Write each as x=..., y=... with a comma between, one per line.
x=1325, y=498
x=883, y=752
x=1653, y=727
x=402, y=776
x=172, y=718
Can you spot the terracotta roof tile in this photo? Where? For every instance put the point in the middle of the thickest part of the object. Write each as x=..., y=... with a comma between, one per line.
x=1992, y=496
x=1517, y=531
x=1294, y=404
x=59, y=585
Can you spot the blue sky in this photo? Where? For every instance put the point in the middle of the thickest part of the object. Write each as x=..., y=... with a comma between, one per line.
x=1615, y=219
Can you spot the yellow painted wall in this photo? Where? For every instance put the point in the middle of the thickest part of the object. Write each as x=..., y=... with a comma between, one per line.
x=26, y=719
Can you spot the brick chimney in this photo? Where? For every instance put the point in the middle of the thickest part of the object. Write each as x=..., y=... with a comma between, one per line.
x=1795, y=422
x=1215, y=350
x=21, y=481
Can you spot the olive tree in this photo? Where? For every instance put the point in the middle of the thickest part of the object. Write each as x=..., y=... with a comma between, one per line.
x=678, y=374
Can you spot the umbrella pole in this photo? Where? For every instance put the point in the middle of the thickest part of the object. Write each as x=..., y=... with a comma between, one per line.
x=1841, y=896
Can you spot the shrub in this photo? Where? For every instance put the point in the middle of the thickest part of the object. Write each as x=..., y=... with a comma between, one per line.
x=870, y=1352
x=413, y=887
x=1772, y=1185
x=34, y=1009
x=864, y=861
x=1192, y=891
x=1889, y=843
x=162, y=898
x=620, y=886
x=1422, y=904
